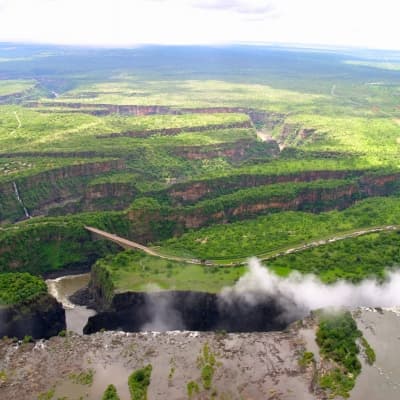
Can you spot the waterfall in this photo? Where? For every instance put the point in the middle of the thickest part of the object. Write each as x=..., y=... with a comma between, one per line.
x=27, y=215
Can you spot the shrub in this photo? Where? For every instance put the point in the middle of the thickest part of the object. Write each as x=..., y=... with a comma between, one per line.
x=192, y=388
x=27, y=339
x=18, y=287
x=337, y=338
x=138, y=383
x=83, y=378
x=369, y=351
x=110, y=393
x=306, y=359
x=207, y=373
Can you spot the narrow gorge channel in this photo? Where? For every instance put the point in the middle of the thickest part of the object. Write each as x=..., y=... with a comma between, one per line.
x=62, y=288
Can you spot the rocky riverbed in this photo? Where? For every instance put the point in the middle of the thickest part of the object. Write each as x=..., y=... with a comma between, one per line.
x=248, y=365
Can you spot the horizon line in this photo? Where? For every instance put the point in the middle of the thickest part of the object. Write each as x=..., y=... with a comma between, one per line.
x=296, y=45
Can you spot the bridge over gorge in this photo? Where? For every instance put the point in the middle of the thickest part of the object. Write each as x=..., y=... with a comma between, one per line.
x=128, y=244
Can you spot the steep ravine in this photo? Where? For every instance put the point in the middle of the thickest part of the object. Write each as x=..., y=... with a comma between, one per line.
x=306, y=199
x=191, y=192
x=271, y=119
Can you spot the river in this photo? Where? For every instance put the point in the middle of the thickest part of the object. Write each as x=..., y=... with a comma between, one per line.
x=63, y=287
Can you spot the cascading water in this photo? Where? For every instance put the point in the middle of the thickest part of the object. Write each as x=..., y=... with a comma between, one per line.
x=27, y=215
x=63, y=287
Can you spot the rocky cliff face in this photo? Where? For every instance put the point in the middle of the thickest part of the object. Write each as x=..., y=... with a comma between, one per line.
x=107, y=196
x=186, y=310
x=42, y=317
x=187, y=193
x=270, y=119
x=235, y=152
x=379, y=185
x=54, y=188
x=177, y=131
x=308, y=199
x=56, y=175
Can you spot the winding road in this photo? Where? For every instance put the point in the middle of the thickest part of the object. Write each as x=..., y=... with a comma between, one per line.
x=128, y=244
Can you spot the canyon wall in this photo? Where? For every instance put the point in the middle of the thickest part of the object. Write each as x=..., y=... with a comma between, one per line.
x=187, y=310
x=42, y=317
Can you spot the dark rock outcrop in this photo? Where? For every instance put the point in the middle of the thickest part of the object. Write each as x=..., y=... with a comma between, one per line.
x=197, y=311
x=40, y=318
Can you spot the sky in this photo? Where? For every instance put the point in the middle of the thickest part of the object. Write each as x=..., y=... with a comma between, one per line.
x=125, y=23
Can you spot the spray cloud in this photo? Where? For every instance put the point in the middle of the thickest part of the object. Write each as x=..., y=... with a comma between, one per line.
x=162, y=314
x=299, y=294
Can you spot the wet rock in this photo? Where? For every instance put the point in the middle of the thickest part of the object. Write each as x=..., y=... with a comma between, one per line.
x=195, y=311
x=42, y=317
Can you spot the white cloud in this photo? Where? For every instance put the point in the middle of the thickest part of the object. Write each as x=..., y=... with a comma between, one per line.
x=240, y=6
x=365, y=23
x=299, y=294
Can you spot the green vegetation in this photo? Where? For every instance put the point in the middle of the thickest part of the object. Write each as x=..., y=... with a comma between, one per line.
x=110, y=393
x=13, y=87
x=71, y=132
x=369, y=351
x=3, y=376
x=138, y=383
x=82, y=378
x=282, y=192
x=27, y=339
x=382, y=65
x=262, y=235
x=171, y=373
x=337, y=383
x=367, y=256
x=337, y=337
x=68, y=152
x=352, y=259
x=39, y=246
x=47, y=395
x=192, y=388
x=306, y=359
x=207, y=373
x=206, y=361
x=135, y=271
x=23, y=167
x=18, y=287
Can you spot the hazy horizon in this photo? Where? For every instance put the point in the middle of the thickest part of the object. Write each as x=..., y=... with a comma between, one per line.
x=123, y=23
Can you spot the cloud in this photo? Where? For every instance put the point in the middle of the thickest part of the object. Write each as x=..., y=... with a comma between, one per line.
x=239, y=6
